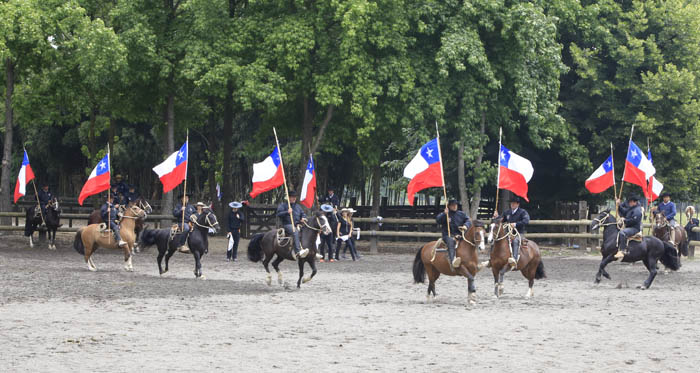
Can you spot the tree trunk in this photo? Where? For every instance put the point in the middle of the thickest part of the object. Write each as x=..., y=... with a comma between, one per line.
x=461, y=182
x=112, y=128
x=306, y=138
x=476, y=198
x=167, y=201
x=376, y=200
x=7, y=150
x=227, y=173
x=211, y=172
x=92, y=143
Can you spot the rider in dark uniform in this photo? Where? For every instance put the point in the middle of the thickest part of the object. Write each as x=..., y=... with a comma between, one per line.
x=518, y=217
x=45, y=196
x=285, y=211
x=668, y=208
x=458, y=219
x=692, y=223
x=132, y=195
x=631, y=212
x=235, y=220
x=110, y=216
x=178, y=212
x=331, y=198
x=328, y=240
x=122, y=188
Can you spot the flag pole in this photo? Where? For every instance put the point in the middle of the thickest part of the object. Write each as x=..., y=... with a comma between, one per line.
x=284, y=178
x=36, y=194
x=442, y=175
x=617, y=203
x=184, y=188
x=498, y=166
x=109, y=205
x=612, y=159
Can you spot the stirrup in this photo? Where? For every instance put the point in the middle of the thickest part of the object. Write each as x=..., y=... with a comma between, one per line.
x=456, y=262
x=620, y=254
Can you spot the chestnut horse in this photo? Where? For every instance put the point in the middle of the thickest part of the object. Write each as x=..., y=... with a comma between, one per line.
x=429, y=260
x=662, y=231
x=89, y=238
x=96, y=218
x=529, y=262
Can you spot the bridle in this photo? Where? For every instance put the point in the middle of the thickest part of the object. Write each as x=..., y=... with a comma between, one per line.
x=322, y=226
x=477, y=242
x=206, y=219
x=601, y=221
x=136, y=210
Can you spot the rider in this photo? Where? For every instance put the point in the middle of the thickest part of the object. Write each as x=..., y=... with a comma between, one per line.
x=458, y=220
x=284, y=212
x=331, y=198
x=328, y=239
x=518, y=217
x=122, y=188
x=109, y=215
x=179, y=212
x=668, y=208
x=45, y=196
x=631, y=212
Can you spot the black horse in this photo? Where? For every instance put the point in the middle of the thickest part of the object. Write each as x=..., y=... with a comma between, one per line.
x=32, y=223
x=266, y=245
x=53, y=221
x=649, y=251
x=198, y=241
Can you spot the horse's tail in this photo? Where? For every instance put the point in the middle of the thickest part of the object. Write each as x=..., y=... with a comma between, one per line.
x=683, y=247
x=539, y=272
x=255, y=251
x=418, y=268
x=670, y=258
x=148, y=237
x=78, y=242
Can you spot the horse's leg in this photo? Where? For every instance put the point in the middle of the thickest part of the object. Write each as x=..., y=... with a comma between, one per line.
x=276, y=266
x=501, y=274
x=171, y=247
x=161, y=254
x=312, y=263
x=301, y=272
x=601, y=268
x=433, y=275
x=651, y=266
x=31, y=241
x=495, y=272
x=127, y=259
x=197, y=263
x=265, y=263
x=53, y=238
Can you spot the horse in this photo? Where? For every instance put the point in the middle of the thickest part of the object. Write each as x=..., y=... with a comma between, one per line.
x=429, y=260
x=268, y=245
x=529, y=262
x=53, y=221
x=96, y=218
x=662, y=231
x=198, y=241
x=33, y=222
x=89, y=238
x=650, y=250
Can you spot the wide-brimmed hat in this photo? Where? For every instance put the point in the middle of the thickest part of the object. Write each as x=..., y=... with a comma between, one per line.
x=665, y=194
x=326, y=208
x=349, y=210
x=235, y=205
x=118, y=176
x=452, y=202
x=201, y=204
x=331, y=188
x=515, y=199
x=632, y=198
x=292, y=193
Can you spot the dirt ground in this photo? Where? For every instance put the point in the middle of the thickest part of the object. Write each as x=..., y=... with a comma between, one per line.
x=55, y=315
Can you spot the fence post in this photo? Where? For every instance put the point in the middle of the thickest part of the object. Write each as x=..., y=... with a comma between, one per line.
x=582, y=215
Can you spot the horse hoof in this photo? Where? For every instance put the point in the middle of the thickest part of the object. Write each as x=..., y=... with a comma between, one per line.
x=202, y=277
x=641, y=287
x=607, y=276
x=306, y=279
x=269, y=281
x=472, y=298
x=92, y=269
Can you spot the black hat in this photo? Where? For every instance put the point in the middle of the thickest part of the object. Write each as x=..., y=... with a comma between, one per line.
x=183, y=195
x=331, y=188
x=292, y=193
x=452, y=202
x=515, y=199
x=632, y=198
x=665, y=194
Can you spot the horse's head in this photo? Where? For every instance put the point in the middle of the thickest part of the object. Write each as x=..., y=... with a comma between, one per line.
x=320, y=222
x=477, y=235
x=208, y=220
x=604, y=218
x=659, y=220
x=53, y=204
x=133, y=211
x=142, y=204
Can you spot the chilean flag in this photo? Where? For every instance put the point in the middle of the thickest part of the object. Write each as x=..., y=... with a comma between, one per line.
x=654, y=187
x=174, y=169
x=514, y=172
x=98, y=180
x=602, y=178
x=267, y=175
x=308, y=190
x=424, y=170
x=25, y=176
x=638, y=169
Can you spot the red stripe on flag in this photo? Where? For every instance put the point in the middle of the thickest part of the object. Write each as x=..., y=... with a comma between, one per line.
x=635, y=176
x=429, y=178
x=600, y=184
x=310, y=192
x=264, y=186
x=513, y=181
x=97, y=184
x=174, y=177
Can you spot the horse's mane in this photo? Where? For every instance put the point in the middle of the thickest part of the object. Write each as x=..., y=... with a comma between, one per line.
x=478, y=224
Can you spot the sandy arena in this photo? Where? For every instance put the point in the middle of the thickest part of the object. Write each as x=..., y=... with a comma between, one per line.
x=55, y=315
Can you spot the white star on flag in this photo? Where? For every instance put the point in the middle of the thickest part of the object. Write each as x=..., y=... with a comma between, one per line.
x=430, y=152
x=503, y=156
x=634, y=153
x=102, y=165
x=607, y=164
x=179, y=154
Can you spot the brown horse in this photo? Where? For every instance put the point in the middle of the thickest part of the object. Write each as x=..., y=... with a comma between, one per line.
x=662, y=231
x=429, y=260
x=96, y=218
x=89, y=238
x=529, y=263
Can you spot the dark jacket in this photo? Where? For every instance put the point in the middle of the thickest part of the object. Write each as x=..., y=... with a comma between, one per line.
x=632, y=216
x=44, y=197
x=520, y=217
x=457, y=219
x=283, y=214
x=130, y=197
x=189, y=210
x=108, y=209
x=344, y=226
x=333, y=200
x=693, y=223
x=235, y=219
x=122, y=188
x=668, y=209
x=332, y=221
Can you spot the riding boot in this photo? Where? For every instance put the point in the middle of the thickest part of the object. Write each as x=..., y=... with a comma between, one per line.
x=673, y=235
x=515, y=254
x=451, y=253
x=298, y=251
x=511, y=260
x=621, y=247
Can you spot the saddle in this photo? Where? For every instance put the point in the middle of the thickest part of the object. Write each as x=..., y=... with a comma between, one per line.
x=637, y=237
x=282, y=239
